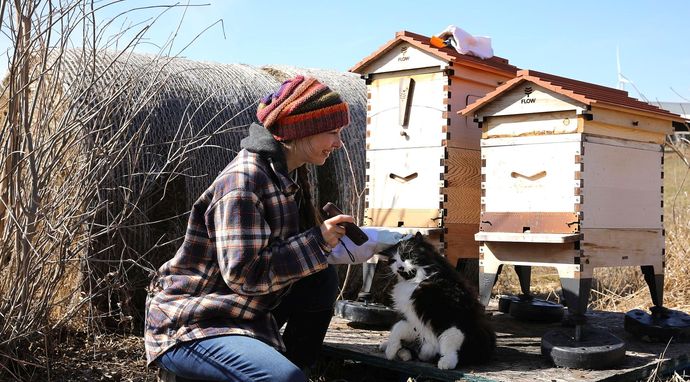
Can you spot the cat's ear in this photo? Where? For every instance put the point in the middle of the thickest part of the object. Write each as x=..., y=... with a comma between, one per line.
x=418, y=238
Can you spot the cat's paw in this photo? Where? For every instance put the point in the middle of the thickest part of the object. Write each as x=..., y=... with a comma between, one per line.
x=404, y=354
x=427, y=352
x=392, y=351
x=383, y=345
x=447, y=362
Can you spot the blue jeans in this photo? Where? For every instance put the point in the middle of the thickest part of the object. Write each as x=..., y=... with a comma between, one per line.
x=230, y=358
x=307, y=309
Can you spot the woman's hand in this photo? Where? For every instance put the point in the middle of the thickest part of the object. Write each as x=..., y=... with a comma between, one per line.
x=380, y=238
x=332, y=232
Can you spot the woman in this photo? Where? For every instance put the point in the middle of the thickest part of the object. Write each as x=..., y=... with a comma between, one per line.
x=256, y=253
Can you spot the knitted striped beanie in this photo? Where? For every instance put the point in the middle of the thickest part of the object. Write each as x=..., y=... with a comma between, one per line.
x=302, y=106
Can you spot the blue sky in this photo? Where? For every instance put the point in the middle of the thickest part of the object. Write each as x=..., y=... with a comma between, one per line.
x=575, y=39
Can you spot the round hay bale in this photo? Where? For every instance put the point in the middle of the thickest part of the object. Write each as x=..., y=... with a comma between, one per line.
x=159, y=130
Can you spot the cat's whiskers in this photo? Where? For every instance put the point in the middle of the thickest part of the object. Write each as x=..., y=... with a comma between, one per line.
x=388, y=275
x=430, y=276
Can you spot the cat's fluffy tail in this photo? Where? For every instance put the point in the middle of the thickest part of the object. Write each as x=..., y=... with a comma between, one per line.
x=479, y=346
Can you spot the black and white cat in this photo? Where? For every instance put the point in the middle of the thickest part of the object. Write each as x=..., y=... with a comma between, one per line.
x=442, y=314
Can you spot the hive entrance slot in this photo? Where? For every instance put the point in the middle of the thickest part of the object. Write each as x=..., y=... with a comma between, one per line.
x=525, y=230
x=403, y=179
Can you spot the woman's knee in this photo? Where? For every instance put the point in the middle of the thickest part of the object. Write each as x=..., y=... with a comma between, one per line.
x=328, y=288
x=313, y=293
x=290, y=373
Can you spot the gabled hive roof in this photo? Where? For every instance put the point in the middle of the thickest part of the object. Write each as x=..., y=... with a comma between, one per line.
x=583, y=92
x=448, y=53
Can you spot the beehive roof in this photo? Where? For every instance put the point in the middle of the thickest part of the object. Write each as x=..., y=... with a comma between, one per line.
x=584, y=92
x=448, y=53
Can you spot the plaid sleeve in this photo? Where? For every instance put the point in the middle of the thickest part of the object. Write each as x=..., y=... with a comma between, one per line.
x=250, y=262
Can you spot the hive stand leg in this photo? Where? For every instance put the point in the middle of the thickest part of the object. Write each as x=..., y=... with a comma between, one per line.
x=368, y=270
x=663, y=324
x=576, y=287
x=364, y=311
x=583, y=347
x=654, y=277
x=488, y=274
x=525, y=306
x=524, y=273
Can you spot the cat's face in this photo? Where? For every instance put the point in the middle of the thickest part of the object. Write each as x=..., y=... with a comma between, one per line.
x=408, y=259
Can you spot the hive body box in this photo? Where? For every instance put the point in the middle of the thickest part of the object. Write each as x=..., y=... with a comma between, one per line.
x=572, y=177
x=423, y=160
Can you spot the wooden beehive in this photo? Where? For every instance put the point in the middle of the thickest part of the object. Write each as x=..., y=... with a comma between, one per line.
x=423, y=165
x=572, y=177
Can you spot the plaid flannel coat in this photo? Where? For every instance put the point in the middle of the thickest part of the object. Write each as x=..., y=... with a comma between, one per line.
x=241, y=252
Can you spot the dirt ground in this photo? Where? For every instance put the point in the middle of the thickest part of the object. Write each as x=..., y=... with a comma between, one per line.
x=111, y=357
x=120, y=358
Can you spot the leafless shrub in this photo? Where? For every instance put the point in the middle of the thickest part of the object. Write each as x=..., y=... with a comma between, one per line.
x=80, y=171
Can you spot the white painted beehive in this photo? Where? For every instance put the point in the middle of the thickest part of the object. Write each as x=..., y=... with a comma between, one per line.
x=423, y=159
x=572, y=177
